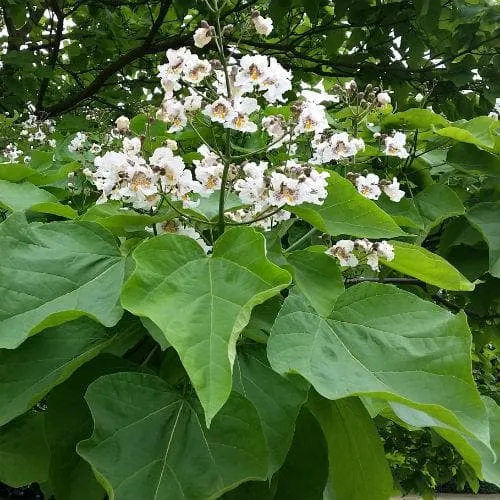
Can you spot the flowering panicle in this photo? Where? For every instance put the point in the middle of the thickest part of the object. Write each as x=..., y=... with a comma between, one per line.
x=344, y=250
x=371, y=187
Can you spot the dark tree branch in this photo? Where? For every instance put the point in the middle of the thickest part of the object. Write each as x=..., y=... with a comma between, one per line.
x=146, y=48
x=44, y=85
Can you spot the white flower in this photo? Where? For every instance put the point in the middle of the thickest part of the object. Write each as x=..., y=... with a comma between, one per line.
x=337, y=147
x=277, y=80
x=171, y=144
x=219, y=110
x=395, y=145
x=275, y=127
x=52, y=143
x=27, y=159
x=210, y=177
x=350, y=85
x=493, y=115
x=173, y=111
x=497, y=105
x=141, y=188
x=379, y=249
x=252, y=189
x=77, y=143
x=262, y=25
x=196, y=69
x=317, y=94
x=343, y=251
x=193, y=103
x=368, y=186
x=203, y=35
x=239, y=119
x=39, y=136
x=383, y=98
x=392, y=190
x=95, y=148
x=122, y=124
x=312, y=118
x=283, y=190
x=110, y=169
x=253, y=70
x=419, y=97
x=12, y=153
x=131, y=147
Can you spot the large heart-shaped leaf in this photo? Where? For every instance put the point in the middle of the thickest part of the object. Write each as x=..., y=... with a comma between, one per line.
x=276, y=399
x=345, y=211
x=29, y=372
x=203, y=303
x=24, y=455
x=427, y=266
x=354, y=449
x=317, y=276
x=51, y=273
x=486, y=218
x=359, y=351
x=150, y=443
x=26, y=196
x=67, y=421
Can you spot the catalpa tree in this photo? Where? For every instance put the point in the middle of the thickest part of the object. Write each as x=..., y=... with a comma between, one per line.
x=215, y=297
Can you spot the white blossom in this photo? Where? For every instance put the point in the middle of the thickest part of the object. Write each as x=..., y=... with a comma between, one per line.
x=395, y=145
x=122, y=124
x=77, y=142
x=419, y=97
x=177, y=227
x=383, y=98
x=277, y=80
x=312, y=118
x=392, y=190
x=193, y=103
x=95, y=148
x=131, y=147
x=238, y=118
x=203, y=35
x=368, y=186
x=173, y=112
x=262, y=25
x=12, y=153
x=196, y=70
x=342, y=250
x=253, y=70
x=339, y=146
x=219, y=110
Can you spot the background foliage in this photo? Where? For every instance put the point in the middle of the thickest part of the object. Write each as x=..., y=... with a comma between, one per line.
x=87, y=62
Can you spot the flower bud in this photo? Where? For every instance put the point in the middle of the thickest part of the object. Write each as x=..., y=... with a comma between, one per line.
x=122, y=124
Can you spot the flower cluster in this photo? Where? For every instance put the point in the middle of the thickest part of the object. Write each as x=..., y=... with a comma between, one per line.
x=12, y=153
x=78, y=142
x=36, y=131
x=338, y=146
x=371, y=187
x=344, y=250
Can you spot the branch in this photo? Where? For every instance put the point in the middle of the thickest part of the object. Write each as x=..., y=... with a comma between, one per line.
x=44, y=85
x=146, y=48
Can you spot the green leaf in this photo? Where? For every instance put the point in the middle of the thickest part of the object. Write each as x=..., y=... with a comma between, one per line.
x=318, y=277
x=215, y=294
x=276, y=399
x=429, y=267
x=151, y=443
x=415, y=118
x=345, y=211
x=305, y=471
x=358, y=467
x=29, y=372
x=52, y=273
x=477, y=131
x=486, y=218
x=437, y=203
x=358, y=352
x=119, y=220
x=26, y=196
x=24, y=456
x=67, y=421
x=471, y=160
x=15, y=172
